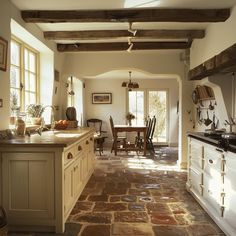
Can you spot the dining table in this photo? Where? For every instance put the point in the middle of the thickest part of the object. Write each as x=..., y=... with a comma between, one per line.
x=131, y=128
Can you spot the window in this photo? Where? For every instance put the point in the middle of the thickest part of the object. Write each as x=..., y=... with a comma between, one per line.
x=144, y=103
x=24, y=78
x=70, y=92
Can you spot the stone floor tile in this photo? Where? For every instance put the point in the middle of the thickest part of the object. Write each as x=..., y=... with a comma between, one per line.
x=139, y=192
x=82, y=197
x=136, y=206
x=93, y=217
x=181, y=220
x=104, y=206
x=114, y=198
x=96, y=230
x=123, y=229
x=176, y=208
x=128, y=198
x=98, y=198
x=114, y=191
x=131, y=217
x=162, y=219
x=202, y=230
x=165, y=199
x=82, y=206
x=169, y=231
x=161, y=208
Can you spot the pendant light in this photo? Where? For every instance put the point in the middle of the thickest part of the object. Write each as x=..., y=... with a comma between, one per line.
x=130, y=85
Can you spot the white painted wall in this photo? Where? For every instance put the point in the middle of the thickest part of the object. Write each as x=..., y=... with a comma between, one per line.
x=219, y=36
x=4, y=76
x=163, y=62
x=118, y=107
x=7, y=12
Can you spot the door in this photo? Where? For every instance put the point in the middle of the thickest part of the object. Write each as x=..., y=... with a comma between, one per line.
x=144, y=103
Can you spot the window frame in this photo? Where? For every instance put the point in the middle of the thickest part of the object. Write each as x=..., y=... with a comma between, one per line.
x=22, y=69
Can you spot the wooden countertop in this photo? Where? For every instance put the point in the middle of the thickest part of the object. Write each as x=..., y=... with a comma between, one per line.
x=56, y=138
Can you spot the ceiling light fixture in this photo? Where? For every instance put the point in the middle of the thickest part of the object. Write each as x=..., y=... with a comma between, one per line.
x=130, y=45
x=129, y=84
x=131, y=30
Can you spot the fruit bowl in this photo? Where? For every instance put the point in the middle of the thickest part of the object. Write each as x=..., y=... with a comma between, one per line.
x=61, y=124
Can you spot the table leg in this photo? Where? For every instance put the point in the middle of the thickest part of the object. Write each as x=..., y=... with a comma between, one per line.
x=144, y=143
x=115, y=142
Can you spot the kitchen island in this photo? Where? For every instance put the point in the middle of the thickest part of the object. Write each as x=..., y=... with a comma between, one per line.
x=211, y=177
x=43, y=176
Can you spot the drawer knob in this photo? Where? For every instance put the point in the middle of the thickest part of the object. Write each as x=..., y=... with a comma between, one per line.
x=87, y=142
x=79, y=148
x=210, y=161
x=91, y=139
x=69, y=155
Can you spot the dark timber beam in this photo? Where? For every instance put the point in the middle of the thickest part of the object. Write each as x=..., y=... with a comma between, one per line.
x=80, y=47
x=127, y=15
x=115, y=34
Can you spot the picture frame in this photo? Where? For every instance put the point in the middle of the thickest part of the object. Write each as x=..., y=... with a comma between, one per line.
x=3, y=54
x=101, y=98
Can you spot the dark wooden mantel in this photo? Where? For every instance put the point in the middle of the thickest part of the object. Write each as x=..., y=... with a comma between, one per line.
x=224, y=62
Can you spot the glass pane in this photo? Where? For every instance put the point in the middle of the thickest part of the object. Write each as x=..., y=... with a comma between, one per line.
x=27, y=81
x=158, y=108
x=15, y=101
x=136, y=106
x=32, y=98
x=15, y=77
x=27, y=99
x=26, y=59
x=32, y=62
x=15, y=53
x=32, y=82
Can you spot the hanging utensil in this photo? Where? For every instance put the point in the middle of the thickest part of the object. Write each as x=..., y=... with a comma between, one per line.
x=211, y=107
x=207, y=121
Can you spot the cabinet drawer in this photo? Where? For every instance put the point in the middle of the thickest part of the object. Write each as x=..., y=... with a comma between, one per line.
x=79, y=147
x=195, y=179
x=213, y=193
x=69, y=155
x=213, y=163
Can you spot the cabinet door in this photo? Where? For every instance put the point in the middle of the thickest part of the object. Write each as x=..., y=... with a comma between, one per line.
x=68, y=188
x=195, y=179
x=77, y=177
x=28, y=185
x=230, y=190
x=196, y=154
x=213, y=162
x=212, y=193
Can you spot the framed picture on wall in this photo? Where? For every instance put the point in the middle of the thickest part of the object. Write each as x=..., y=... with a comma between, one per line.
x=101, y=98
x=3, y=54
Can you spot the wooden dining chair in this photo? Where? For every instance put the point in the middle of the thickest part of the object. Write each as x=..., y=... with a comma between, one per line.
x=120, y=139
x=151, y=124
x=99, y=137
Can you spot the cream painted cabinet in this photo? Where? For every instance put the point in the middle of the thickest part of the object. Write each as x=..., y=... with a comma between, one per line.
x=28, y=185
x=40, y=183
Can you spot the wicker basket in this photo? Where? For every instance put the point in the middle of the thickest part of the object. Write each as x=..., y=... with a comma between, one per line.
x=72, y=124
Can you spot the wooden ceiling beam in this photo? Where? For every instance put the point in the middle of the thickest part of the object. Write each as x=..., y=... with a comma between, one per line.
x=127, y=15
x=80, y=47
x=115, y=34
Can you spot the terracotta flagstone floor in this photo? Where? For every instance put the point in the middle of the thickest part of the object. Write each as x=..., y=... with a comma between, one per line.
x=130, y=195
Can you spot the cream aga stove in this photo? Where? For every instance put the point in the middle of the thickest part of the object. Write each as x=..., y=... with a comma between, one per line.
x=211, y=180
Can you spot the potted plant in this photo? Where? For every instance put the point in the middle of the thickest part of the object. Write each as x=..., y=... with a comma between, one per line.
x=130, y=117
x=15, y=108
x=35, y=112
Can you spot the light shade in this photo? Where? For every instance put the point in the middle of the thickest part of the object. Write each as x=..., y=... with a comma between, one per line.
x=131, y=85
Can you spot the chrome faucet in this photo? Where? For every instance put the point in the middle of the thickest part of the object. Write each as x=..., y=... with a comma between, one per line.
x=52, y=116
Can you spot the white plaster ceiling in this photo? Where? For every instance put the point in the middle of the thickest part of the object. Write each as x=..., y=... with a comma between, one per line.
x=118, y=4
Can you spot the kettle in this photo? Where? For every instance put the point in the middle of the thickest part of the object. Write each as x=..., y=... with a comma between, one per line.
x=3, y=217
